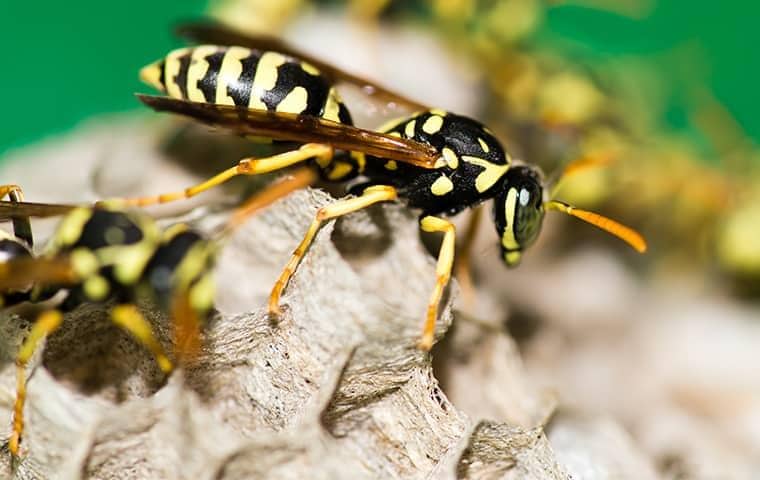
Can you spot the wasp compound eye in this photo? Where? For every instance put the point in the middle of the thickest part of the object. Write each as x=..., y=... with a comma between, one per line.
x=518, y=212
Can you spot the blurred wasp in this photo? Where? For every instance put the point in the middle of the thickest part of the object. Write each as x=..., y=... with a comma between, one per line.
x=433, y=161
x=108, y=253
x=97, y=255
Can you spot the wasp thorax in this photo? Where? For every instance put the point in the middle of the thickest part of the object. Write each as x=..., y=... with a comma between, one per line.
x=518, y=212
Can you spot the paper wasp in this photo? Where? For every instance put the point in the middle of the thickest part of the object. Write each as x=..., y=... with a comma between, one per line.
x=433, y=161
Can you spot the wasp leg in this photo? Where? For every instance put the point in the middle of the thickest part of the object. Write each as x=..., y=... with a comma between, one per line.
x=370, y=196
x=462, y=261
x=248, y=166
x=127, y=317
x=299, y=179
x=22, y=228
x=46, y=323
x=442, y=273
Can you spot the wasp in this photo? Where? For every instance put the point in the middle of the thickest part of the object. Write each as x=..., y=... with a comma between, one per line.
x=106, y=253
x=434, y=161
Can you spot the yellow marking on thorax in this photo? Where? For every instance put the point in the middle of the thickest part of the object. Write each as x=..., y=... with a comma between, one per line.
x=84, y=262
x=202, y=294
x=391, y=165
x=198, y=68
x=451, y=158
x=339, y=170
x=294, y=102
x=70, y=228
x=432, y=124
x=310, y=69
x=229, y=73
x=193, y=264
x=394, y=134
x=484, y=145
x=151, y=74
x=332, y=106
x=266, y=78
x=438, y=111
x=391, y=124
x=361, y=160
x=442, y=186
x=96, y=288
x=171, y=69
x=508, y=237
x=491, y=173
x=409, y=129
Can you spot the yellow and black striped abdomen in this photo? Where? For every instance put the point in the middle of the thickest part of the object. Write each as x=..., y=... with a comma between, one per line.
x=249, y=78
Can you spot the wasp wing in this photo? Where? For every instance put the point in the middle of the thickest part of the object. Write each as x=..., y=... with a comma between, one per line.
x=217, y=33
x=15, y=210
x=298, y=128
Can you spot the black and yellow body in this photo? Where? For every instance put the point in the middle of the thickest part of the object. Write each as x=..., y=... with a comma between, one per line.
x=107, y=254
x=434, y=161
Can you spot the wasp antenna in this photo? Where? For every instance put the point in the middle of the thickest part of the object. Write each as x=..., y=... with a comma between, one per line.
x=627, y=234
x=579, y=165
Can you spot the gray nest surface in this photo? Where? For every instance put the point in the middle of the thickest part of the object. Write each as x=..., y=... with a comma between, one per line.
x=335, y=389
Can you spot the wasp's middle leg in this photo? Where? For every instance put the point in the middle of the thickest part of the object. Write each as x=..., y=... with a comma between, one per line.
x=249, y=166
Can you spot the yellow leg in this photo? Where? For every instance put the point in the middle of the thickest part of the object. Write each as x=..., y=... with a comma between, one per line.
x=370, y=196
x=248, y=166
x=127, y=317
x=46, y=324
x=442, y=273
x=462, y=262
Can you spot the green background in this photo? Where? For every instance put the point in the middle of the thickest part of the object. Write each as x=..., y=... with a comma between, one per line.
x=64, y=61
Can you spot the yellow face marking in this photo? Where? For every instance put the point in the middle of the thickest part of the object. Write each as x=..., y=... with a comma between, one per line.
x=229, y=73
x=266, y=78
x=192, y=265
x=84, y=262
x=96, y=288
x=174, y=230
x=340, y=170
x=508, y=237
x=512, y=258
x=151, y=74
x=442, y=186
x=309, y=68
x=198, y=68
x=432, y=124
x=484, y=145
x=294, y=102
x=332, y=106
x=491, y=173
x=171, y=70
x=409, y=129
x=438, y=111
x=391, y=165
x=71, y=226
x=450, y=157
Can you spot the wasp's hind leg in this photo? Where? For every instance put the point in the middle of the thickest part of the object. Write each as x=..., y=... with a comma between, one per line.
x=370, y=196
x=46, y=323
x=442, y=273
x=127, y=317
x=249, y=166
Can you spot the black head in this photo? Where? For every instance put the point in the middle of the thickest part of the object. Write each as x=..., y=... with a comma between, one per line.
x=518, y=212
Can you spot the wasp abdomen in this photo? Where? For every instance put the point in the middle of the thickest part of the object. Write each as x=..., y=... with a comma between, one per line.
x=261, y=80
